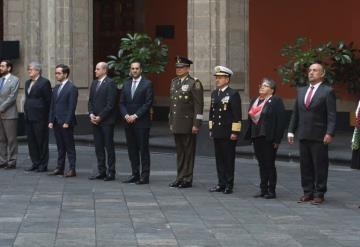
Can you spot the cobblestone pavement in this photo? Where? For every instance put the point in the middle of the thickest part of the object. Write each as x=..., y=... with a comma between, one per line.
x=39, y=210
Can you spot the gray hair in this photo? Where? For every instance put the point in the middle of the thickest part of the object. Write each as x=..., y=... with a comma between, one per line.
x=104, y=65
x=269, y=82
x=35, y=65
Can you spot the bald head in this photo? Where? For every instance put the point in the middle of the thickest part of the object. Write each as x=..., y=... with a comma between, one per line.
x=101, y=70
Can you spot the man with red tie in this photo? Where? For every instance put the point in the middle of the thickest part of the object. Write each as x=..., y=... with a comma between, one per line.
x=314, y=117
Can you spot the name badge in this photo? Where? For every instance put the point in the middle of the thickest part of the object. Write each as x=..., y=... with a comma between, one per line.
x=184, y=88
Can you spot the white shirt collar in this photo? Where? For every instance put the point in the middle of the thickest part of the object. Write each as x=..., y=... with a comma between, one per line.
x=64, y=82
x=316, y=85
x=224, y=88
x=7, y=76
x=137, y=80
x=101, y=79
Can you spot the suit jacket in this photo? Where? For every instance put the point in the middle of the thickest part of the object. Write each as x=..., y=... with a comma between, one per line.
x=8, y=95
x=102, y=101
x=225, y=113
x=37, y=103
x=273, y=118
x=140, y=104
x=186, y=105
x=63, y=106
x=319, y=119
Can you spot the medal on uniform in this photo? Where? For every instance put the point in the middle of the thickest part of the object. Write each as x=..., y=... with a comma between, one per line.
x=186, y=97
x=180, y=96
x=184, y=88
x=225, y=105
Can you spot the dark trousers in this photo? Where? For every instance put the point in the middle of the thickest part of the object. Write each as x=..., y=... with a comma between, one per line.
x=38, y=143
x=266, y=154
x=65, y=146
x=314, y=166
x=104, y=141
x=185, y=151
x=225, y=161
x=137, y=140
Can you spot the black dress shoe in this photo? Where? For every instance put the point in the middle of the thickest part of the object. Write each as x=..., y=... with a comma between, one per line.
x=97, y=176
x=10, y=167
x=260, y=194
x=143, y=181
x=3, y=165
x=228, y=190
x=184, y=185
x=56, y=172
x=217, y=188
x=42, y=169
x=131, y=180
x=174, y=184
x=31, y=169
x=109, y=178
x=270, y=195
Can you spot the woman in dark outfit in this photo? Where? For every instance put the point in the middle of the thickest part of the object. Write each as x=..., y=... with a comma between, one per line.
x=266, y=129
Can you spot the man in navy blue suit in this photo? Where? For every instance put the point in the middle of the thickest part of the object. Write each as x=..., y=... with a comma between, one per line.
x=135, y=103
x=62, y=119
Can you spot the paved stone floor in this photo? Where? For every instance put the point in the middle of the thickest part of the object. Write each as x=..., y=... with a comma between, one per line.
x=38, y=210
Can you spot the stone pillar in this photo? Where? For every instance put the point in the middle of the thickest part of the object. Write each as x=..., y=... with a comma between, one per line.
x=52, y=32
x=218, y=35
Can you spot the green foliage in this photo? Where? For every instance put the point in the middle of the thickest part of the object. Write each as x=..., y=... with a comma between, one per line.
x=152, y=54
x=340, y=61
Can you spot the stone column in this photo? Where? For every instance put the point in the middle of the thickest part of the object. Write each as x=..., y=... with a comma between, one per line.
x=218, y=35
x=52, y=32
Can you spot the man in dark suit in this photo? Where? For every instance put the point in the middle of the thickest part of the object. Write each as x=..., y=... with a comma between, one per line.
x=224, y=127
x=135, y=103
x=102, y=113
x=314, y=117
x=9, y=87
x=36, y=112
x=185, y=117
x=62, y=119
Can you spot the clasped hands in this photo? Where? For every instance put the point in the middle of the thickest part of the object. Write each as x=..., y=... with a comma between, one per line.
x=130, y=118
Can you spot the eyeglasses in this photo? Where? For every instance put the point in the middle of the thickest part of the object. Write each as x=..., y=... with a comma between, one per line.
x=263, y=85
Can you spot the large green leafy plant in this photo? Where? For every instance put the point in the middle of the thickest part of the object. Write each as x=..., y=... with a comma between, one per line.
x=340, y=60
x=152, y=54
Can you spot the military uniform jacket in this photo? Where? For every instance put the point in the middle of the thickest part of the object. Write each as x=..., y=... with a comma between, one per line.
x=186, y=105
x=225, y=113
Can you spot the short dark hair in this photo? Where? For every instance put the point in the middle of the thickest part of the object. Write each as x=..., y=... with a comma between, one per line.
x=8, y=64
x=270, y=82
x=65, y=69
x=136, y=62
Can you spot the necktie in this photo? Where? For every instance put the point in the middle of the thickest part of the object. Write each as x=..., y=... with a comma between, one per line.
x=308, y=98
x=2, y=83
x=133, y=88
x=31, y=85
x=98, y=85
x=59, y=90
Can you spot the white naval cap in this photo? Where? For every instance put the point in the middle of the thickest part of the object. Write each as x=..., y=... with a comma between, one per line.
x=222, y=70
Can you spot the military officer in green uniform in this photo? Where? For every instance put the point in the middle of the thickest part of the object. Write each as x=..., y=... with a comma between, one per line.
x=185, y=117
x=224, y=127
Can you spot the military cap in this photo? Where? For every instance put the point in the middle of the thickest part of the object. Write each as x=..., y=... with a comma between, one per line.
x=182, y=62
x=222, y=70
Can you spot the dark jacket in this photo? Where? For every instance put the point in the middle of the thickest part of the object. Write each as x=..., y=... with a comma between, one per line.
x=102, y=102
x=140, y=104
x=273, y=119
x=63, y=106
x=319, y=119
x=37, y=103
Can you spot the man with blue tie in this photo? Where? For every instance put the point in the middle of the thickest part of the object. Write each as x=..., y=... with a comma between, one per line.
x=135, y=103
x=9, y=87
x=62, y=119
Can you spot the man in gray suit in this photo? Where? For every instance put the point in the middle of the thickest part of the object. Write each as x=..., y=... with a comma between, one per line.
x=9, y=86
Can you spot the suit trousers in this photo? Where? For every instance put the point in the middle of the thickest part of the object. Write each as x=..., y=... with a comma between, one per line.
x=104, y=145
x=137, y=140
x=185, y=151
x=8, y=141
x=225, y=161
x=314, y=166
x=38, y=143
x=65, y=146
x=266, y=154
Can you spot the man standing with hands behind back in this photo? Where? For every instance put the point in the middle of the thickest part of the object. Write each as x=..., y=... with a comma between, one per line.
x=36, y=112
x=9, y=87
x=62, y=119
x=102, y=116
x=314, y=117
x=185, y=116
x=135, y=103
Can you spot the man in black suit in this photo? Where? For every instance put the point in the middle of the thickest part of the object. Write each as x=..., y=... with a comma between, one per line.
x=102, y=113
x=62, y=119
x=36, y=112
x=314, y=117
x=224, y=127
x=135, y=103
